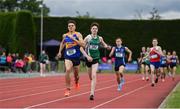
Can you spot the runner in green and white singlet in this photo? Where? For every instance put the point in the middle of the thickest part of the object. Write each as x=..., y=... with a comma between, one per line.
x=92, y=43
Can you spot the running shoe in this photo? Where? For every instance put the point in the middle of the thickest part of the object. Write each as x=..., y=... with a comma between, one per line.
x=91, y=97
x=67, y=93
x=76, y=85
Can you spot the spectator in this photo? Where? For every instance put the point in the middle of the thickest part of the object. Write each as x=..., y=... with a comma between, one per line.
x=43, y=59
x=30, y=60
x=19, y=64
x=104, y=59
x=3, y=61
x=9, y=61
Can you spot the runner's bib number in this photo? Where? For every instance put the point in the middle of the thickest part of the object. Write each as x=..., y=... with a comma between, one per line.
x=119, y=55
x=173, y=61
x=70, y=52
x=163, y=62
x=154, y=56
x=93, y=47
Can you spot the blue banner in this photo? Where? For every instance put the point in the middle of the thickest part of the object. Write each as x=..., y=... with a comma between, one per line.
x=129, y=67
x=105, y=66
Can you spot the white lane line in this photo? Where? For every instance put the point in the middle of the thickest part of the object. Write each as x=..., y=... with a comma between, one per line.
x=45, y=92
x=76, y=95
x=4, y=83
x=125, y=94
x=32, y=83
x=164, y=102
x=24, y=89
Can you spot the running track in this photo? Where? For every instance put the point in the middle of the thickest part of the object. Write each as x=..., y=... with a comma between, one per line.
x=48, y=92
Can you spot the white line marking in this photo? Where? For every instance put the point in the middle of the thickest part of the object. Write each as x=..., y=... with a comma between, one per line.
x=45, y=92
x=128, y=93
x=64, y=98
x=163, y=104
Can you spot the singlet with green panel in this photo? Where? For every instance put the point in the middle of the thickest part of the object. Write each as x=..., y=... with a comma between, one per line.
x=93, y=47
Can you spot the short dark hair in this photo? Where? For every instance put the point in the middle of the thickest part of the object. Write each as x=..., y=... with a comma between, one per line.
x=118, y=38
x=94, y=24
x=155, y=39
x=71, y=21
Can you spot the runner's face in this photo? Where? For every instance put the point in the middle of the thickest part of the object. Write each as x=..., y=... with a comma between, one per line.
x=94, y=30
x=143, y=49
x=174, y=53
x=71, y=27
x=118, y=42
x=148, y=49
x=164, y=52
x=154, y=42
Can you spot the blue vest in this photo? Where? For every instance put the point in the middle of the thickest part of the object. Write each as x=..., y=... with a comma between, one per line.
x=3, y=60
x=173, y=60
x=72, y=49
x=163, y=60
x=120, y=52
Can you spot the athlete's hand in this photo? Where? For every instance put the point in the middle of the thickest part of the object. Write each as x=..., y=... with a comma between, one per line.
x=109, y=47
x=59, y=55
x=129, y=59
x=89, y=58
x=71, y=37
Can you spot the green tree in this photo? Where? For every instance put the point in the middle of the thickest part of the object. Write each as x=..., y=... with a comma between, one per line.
x=155, y=14
x=17, y=5
x=86, y=16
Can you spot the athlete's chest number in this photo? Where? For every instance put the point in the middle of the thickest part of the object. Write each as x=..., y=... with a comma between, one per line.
x=93, y=47
x=154, y=56
x=71, y=52
x=119, y=55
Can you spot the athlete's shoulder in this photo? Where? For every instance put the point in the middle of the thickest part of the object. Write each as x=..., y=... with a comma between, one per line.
x=87, y=38
x=158, y=47
x=78, y=33
x=64, y=35
x=100, y=37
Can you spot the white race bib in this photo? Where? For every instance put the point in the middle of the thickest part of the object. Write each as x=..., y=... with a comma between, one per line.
x=70, y=52
x=119, y=55
x=173, y=61
x=93, y=47
x=163, y=62
x=154, y=56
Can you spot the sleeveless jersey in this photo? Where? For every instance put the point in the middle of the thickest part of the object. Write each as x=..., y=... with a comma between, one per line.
x=154, y=57
x=72, y=49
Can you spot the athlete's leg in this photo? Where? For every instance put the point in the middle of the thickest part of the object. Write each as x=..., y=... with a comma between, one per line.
x=142, y=71
x=120, y=77
x=173, y=72
x=147, y=72
x=76, y=75
x=42, y=69
x=68, y=65
x=152, y=74
x=89, y=69
x=121, y=71
x=93, y=81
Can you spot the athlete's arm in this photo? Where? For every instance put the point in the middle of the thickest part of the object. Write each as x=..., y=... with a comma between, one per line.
x=130, y=54
x=112, y=52
x=80, y=40
x=177, y=59
x=104, y=44
x=62, y=45
x=159, y=51
x=89, y=58
x=85, y=40
x=141, y=57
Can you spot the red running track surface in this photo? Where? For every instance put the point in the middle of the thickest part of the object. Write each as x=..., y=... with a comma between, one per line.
x=48, y=92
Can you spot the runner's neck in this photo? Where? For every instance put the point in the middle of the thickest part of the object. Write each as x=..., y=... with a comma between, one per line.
x=119, y=46
x=71, y=32
x=94, y=35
